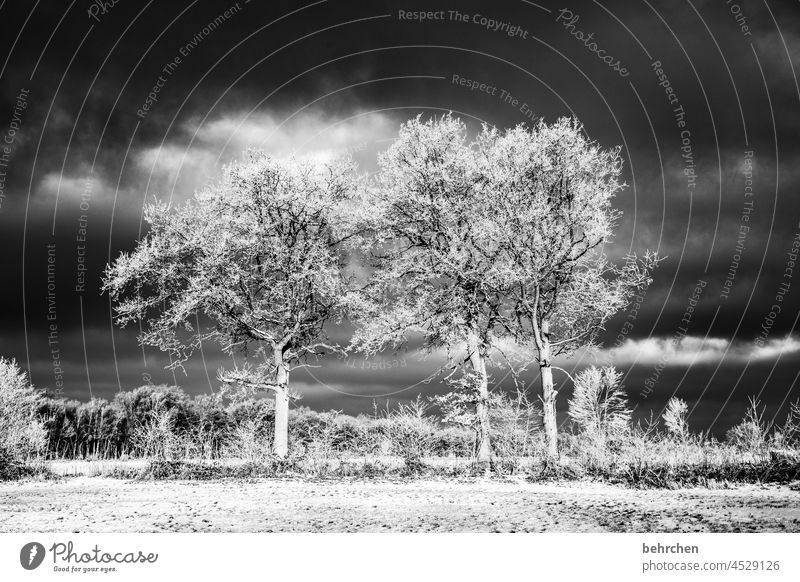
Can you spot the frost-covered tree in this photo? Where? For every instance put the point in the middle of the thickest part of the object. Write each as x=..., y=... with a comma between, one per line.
x=258, y=256
x=437, y=268
x=21, y=431
x=502, y=236
x=553, y=214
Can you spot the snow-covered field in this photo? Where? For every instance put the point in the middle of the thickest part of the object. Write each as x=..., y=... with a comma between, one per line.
x=100, y=504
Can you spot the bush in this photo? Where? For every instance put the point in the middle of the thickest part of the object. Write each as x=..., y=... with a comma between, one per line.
x=155, y=435
x=750, y=435
x=454, y=441
x=410, y=433
x=675, y=418
x=12, y=468
x=789, y=434
x=599, y=410
x=162, y=470
x=248, y=441
x=598, y=405
x=515, y=425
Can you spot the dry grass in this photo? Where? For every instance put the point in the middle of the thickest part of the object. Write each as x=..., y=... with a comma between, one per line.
x=94, y=468
x=694, y=465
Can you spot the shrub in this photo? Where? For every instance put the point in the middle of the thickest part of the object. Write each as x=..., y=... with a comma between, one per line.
x=751, y=434
x=259, y=411
x=370, y=437
x=599, y=406
x=515, y=425
x=675, y=418
x=157, y=436
x=454, y=441
x=213, y=426
x=12, y=468
x=248, y=441
x=322, y=434
x=411, y=434
x=789, y=433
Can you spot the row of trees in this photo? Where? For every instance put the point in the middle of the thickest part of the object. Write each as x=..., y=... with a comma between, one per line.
x=160, y=421
x=109, y=429
x=163, y=422
x=470, y=244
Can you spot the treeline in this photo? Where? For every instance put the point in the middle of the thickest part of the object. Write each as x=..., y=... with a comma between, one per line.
x=160, y=420
x=173, y=430
x=163, y=421
x=109, y=429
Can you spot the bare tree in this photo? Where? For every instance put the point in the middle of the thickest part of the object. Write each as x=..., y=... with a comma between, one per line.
x=553, y=214
x=437, y=269
x=258, y=256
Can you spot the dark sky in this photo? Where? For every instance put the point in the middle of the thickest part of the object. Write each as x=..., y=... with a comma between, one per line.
x=702, y=96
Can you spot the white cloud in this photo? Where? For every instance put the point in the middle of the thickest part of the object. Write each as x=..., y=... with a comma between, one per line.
x=300, y=135
x=691, y=350
x=198, y=152
x=774, y=348
x=684, y=352
x=84, y=190
x=66, y=187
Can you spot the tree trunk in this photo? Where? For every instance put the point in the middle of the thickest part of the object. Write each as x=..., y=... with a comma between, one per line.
x=280, y=443
x=548, y=399
x=477, y=360
x=549, y=414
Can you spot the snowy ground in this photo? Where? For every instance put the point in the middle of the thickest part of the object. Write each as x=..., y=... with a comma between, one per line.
x=100, y=504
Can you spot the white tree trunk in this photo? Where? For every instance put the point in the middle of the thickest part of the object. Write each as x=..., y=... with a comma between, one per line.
x=477, y=360
x=548, y=399
x=280, y=443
